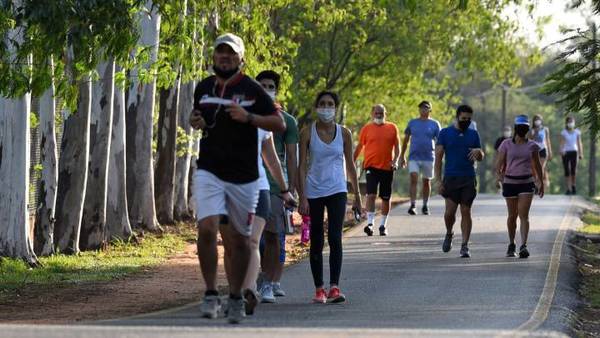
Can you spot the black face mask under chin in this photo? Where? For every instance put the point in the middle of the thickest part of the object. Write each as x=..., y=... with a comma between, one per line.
x=225, y=74
x=464, y=125
x=521, y=130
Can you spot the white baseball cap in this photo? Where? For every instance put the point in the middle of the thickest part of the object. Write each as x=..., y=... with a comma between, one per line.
x=233, y=41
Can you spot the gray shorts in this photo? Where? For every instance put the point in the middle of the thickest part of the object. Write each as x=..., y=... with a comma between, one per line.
x=263, y=208
x=275, y=223
x=212, y=196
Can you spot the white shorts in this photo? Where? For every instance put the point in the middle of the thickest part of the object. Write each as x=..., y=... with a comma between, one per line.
x=212, y=196
x=425, y=168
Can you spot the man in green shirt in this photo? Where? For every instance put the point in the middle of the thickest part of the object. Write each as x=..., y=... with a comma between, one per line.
x=286, y=144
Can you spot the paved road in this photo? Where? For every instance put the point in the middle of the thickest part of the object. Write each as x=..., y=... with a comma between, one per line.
x=404, y=285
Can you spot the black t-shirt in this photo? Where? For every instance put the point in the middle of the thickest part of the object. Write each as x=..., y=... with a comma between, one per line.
x=499, y=142
x=229, y=149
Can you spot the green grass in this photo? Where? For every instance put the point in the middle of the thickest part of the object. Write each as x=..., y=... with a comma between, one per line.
x=591, y=223
x=118, y=260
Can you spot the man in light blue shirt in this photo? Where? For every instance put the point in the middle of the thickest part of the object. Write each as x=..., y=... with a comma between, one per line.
x=422, y=134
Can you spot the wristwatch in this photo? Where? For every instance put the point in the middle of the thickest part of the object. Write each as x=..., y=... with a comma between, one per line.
x=249, y=118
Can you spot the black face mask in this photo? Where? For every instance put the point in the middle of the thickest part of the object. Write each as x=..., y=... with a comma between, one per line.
x=521, y=130
x=225, y=74
x=464, y=125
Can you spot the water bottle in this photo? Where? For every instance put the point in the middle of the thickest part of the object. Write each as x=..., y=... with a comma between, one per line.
x=305, y=236
x=288, y=220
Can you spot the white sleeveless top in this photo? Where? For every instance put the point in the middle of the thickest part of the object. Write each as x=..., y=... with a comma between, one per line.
x=327, y=169
x=263, y=183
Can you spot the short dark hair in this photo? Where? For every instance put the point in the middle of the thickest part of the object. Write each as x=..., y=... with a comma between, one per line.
x=334, y=95
x=270, y=75
x=464, y=108
x=424, y=104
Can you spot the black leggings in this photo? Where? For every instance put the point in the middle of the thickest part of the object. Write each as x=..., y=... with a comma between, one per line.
x=336, y=211
x=569, y=160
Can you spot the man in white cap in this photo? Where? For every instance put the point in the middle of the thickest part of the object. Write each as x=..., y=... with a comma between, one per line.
x=229, y=107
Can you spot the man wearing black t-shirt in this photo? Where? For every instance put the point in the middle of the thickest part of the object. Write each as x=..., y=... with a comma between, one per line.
x=228, y=107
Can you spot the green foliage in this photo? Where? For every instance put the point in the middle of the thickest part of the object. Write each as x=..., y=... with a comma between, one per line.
x=576, y=80
x=120, y=259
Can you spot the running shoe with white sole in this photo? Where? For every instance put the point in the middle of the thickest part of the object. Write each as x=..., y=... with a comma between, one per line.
x=368, y=229
x=447, y=245
x=277, y=290
x=235, y=310
x=511, y=252
x=382, y=231
x=266, y=293
x=523, y=252
x=412, y=210
x=464, y=251
x=210, y=306
x=335, y=296
x=320, y=296
x=425, y=210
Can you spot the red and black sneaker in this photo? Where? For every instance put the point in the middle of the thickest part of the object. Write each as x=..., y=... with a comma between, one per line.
x=320, y=296
x=335, y=296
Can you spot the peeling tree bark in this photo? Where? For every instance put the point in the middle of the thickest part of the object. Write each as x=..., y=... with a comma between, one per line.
x=72, y=172
x=182, y=165
x=140, y=109
x=93, y=224
x=14, y=167
x=45, y=218
x=117, y=217
x=165, y=164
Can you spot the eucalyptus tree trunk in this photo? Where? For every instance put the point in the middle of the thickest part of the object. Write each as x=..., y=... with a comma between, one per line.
x=72, y=171
x=117, y=217
x=45, y=218
x=15, y=238
x=140, y=110
x=182, y=166
x=164, y=179
x=93, y=224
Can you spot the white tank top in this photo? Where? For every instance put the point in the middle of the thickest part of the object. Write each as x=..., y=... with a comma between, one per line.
x=570, y=138
x=327, y=170
x=263, y=183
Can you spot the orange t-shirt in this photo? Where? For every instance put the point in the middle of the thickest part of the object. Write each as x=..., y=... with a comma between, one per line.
x=378, y=143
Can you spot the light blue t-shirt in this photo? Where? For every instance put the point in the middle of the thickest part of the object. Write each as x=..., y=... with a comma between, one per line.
x=423, y=134
x=457, y=146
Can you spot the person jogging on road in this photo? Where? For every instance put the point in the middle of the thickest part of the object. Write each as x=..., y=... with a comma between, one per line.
x=268, y=156
x=286, y=144
x=229, y=107
x=540, y=134
x=378, y=139
x=514, y=168
x=325, y=153
x=422, y=133
x=571, y=150
x=461, y=147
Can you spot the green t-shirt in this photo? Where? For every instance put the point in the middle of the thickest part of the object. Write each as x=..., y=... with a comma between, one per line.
x=289, y=136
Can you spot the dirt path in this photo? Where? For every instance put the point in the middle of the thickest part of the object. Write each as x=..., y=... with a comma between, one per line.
x=173, y=283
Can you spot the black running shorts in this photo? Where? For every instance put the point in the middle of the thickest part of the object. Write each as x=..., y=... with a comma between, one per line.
x=382, y=179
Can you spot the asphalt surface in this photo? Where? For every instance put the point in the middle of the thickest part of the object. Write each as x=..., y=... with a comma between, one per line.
x=403, y=285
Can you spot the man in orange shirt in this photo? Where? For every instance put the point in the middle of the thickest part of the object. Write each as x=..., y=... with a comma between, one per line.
x=379, y=139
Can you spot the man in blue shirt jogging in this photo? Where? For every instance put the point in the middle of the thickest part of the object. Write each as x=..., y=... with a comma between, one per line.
x=461, y=147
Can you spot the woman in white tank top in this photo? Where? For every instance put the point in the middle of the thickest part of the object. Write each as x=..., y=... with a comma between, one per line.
x=324, y=148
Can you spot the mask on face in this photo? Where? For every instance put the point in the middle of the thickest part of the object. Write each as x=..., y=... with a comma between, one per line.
x=272, y=94
x=464, y=125
x=507, y=134
x=225, y=74
x=378, y=120
x=571, y=125
x=521, y=130
x=326, y=114
x=537, y=123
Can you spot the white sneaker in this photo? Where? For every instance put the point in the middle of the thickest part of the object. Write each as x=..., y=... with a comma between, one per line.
x=210, y=307
x=235, y=310
x=266, y=293
x=277, y=290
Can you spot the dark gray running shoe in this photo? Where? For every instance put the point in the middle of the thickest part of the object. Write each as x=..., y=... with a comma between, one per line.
x=523, y=252
x=511, y=252
x=412, y=210
x=464, y=251
x=382, y=231
x=447, y=242
x=368, y=229
x=425, y=210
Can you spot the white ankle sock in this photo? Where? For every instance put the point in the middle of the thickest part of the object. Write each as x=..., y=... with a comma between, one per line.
x=370, y=217
x=384, y=220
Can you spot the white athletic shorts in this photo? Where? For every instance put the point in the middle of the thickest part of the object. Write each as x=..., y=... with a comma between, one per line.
x=212, y=196
x=425, y=168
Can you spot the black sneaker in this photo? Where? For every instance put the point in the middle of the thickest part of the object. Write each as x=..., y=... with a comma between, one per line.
x=511, y=252
x=447, y=242
x=568, y=192
x=412, y=210
x=382, y=231
x=574, y=191
x=464, y=251
x=368, y=229
x=523, y=252
x=425, y=210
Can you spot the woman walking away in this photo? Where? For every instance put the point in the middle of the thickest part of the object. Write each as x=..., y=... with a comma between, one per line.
x=571, y=149
x=541, y=136
x=514, y=168
x=325, y=148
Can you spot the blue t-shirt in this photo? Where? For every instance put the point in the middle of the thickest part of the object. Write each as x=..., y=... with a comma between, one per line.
x=423, y=134
x=456, y=147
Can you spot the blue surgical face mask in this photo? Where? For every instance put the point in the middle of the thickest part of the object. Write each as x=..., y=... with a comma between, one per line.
x=326, y=114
